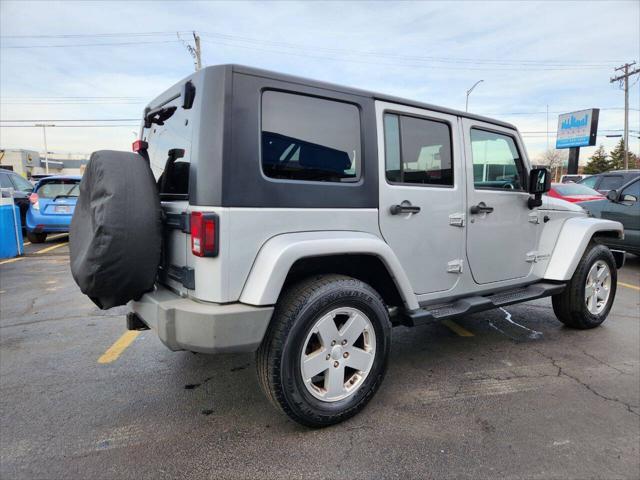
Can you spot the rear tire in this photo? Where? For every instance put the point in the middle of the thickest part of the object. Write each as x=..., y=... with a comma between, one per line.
x=36, y=237
x=588, y=296
x=342, y=325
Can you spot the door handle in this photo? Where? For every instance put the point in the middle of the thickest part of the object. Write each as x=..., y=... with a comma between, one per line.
x=480, y=208
x=404, y=207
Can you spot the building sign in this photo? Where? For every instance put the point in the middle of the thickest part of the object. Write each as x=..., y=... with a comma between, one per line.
x=577, y=129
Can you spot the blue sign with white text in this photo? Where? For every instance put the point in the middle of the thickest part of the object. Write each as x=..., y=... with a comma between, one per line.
x=577, y=129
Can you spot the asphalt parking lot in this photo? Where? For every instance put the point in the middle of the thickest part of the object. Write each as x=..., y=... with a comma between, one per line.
x=507, y=393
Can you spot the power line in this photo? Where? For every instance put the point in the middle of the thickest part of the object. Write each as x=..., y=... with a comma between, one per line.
x=109, y=44
x=75, y=126
x=262, y=42
x=88, y=35
x=360, y=60
x=76, y=120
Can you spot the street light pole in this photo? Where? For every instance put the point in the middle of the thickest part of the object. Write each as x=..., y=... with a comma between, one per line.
x=466, y=105
x=46, y=150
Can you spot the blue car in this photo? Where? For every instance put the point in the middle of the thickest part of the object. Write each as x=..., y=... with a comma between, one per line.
x=51, y=206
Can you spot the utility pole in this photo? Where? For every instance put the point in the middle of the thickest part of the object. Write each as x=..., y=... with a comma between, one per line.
x=624, y=79
x=196, y=52
x=547, y=127
x=196, y=39
x=46, y=150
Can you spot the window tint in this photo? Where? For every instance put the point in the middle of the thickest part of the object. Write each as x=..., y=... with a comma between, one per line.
x=496, y=161
x=21, y=184
x=633, y=189
x=306, y=138
x=5, y=182
x=60, y=187
x=417, y=151
x=170, y=150
x=589, y=182
x=610, y=182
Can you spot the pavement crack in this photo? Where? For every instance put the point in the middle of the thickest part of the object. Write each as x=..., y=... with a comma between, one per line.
x=554, y=362
x=605, y=363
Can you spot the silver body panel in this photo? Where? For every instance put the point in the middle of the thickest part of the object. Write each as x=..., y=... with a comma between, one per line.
x=438, y=255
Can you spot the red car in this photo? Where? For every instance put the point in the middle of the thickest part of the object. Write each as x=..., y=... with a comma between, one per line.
x=574, y=192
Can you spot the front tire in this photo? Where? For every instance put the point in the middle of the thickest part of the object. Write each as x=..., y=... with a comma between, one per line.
x=588, y=297
x=36, y=237
x=325, y=353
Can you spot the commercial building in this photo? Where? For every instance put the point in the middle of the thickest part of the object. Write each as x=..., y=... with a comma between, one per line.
x=29, y=162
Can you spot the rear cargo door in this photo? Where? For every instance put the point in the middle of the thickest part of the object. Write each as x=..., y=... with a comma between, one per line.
x=168, y=133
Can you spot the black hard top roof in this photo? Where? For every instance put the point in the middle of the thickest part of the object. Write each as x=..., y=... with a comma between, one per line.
x=355, y=91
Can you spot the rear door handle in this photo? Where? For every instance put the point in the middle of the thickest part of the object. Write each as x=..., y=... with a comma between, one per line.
x=480, y=208
x=404, y=207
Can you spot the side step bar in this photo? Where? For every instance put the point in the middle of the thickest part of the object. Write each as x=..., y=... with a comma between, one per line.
x=464, y=306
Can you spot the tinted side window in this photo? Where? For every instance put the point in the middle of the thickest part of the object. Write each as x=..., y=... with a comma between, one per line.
x=21, y=184
x=496, y=161
x=308, y=138
x=610, y=182
x=633, y=189
x=417, y=151
x=4, y=181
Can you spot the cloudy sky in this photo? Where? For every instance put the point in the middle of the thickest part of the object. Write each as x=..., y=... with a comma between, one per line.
x=103, y=61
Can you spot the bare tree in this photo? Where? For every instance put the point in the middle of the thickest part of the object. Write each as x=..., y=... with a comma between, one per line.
x=554, y=160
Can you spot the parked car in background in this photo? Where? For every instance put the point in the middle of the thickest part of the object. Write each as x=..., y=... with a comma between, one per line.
x=52, y=204
x=572, y=178
x=622, y=205
x=603, y=182
x=36, y=177
x=21, y=190
x=574, y=192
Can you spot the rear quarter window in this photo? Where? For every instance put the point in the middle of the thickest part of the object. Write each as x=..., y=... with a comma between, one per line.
x=309, y=139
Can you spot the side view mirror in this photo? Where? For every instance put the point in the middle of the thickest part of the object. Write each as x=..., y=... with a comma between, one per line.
x=539, y=183
x=612, y=195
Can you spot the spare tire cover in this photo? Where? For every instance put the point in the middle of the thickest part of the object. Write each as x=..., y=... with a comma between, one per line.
x=116, y=232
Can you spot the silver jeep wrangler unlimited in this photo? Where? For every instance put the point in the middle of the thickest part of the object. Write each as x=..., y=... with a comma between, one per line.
x=302, y=220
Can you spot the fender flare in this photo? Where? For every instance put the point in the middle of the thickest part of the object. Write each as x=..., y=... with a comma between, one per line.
x=279, y=253
x=575, y=235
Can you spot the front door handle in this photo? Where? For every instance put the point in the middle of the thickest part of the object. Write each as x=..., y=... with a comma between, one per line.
x=480, y=208
x=404, y=207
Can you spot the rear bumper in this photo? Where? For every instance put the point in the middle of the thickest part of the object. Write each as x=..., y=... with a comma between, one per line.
x=184, y=324
x=38, y=222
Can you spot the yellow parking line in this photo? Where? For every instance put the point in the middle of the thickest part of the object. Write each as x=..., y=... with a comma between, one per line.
x=11, y=260
x=26, y=243
x=53, y=247
x=457, y=329
x=115, y=350
x=628, y=285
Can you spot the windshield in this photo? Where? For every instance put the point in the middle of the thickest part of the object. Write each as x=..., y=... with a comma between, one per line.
x=66, y=187
x=574, y=189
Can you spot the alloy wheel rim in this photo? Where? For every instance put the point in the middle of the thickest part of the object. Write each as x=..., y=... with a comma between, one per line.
x=338, y=354
x=597, y=287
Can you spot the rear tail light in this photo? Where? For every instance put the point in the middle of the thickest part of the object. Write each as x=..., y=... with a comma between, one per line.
x=204, y=234
x=139, y=146
x=33, y=198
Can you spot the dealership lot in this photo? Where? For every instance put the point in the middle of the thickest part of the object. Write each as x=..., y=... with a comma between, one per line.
x=503, y=393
